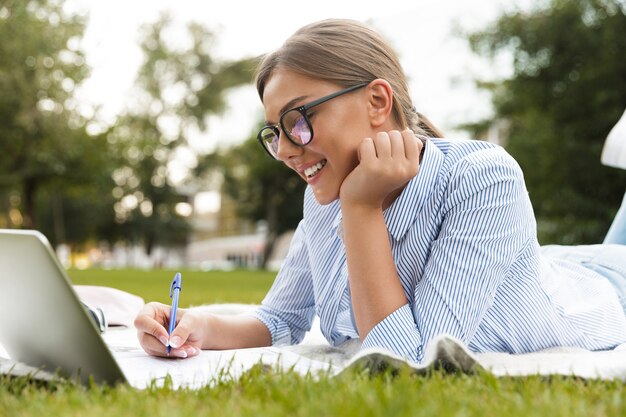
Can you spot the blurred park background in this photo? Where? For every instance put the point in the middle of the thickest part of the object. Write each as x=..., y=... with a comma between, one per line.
x=171, y=174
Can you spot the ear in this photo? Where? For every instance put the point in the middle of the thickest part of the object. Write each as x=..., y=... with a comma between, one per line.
x=380, y=102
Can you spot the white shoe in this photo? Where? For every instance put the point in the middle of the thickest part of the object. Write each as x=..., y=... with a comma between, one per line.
x=614, y=150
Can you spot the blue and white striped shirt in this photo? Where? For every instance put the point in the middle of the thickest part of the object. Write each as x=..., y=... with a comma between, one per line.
x=463, y=237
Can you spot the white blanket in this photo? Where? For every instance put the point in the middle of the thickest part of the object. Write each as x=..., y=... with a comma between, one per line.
x=314, y=355
x=449, y=354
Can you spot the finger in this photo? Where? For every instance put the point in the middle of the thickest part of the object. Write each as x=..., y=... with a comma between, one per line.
x=396, y=142
x=367, y=150
x=383, y=145
x=178, y=353
x=150, y=321
x=194, y=351
x=183, y=352
x=412, y=145
x=181, y=333
x=151, y=345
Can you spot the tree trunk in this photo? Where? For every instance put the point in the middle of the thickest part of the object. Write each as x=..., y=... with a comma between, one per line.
x=270, y=242
x=149, y=244
x=57, y=218
x=271, y=215
x=29, y=188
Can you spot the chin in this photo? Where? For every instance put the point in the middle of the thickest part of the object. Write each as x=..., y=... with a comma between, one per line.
x=325, y=199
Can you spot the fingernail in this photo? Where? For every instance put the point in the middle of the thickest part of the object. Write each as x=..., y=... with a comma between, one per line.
x=175, y=342
x=179, y=353
x=163, y=340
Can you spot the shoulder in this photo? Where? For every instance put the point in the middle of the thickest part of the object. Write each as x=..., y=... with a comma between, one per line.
x=469, y=167
x=463, y=157
x=466, y=150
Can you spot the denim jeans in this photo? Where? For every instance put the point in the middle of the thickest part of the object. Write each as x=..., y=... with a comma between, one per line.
x=617, y=231
x=607, y=259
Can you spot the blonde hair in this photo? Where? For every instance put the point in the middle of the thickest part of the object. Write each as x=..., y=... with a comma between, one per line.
x=347, y=53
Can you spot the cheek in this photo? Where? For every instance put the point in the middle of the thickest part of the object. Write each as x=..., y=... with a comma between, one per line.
x=339, y=147
x=338, y=137
x=342, y=157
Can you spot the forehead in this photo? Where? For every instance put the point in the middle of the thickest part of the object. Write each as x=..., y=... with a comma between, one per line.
x=286, y=89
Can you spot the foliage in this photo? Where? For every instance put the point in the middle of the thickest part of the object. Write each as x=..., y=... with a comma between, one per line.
x=176, y=89
x=264, y=189
x=567, y=90
x=117, y=185
x=45, y=149
x=78, y=210
x=146, y=199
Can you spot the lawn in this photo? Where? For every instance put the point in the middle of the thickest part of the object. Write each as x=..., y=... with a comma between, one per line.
x=197, y=287
x=267, y=393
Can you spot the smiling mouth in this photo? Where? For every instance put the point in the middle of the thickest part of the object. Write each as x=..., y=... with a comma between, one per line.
x=312, y=171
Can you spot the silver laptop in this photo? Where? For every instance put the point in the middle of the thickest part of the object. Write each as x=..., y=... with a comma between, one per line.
x=42, y=322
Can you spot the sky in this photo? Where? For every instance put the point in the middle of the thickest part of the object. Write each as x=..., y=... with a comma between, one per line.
x=438, y=63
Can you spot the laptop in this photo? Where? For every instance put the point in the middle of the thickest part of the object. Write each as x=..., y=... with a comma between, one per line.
x=42, y=322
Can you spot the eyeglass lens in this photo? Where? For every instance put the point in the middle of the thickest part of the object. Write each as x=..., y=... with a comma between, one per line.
x=296, y=127
x=270, y=139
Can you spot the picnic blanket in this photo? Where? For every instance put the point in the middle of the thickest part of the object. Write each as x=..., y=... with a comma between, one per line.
x=315, y=355
x=446, y=352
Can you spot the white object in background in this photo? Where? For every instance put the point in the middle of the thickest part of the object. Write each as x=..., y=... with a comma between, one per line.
x=614, y=150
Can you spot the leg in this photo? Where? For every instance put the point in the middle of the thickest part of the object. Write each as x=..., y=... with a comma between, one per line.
x=617, y=231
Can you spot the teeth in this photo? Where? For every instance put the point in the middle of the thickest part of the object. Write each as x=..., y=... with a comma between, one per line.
x=312, y=170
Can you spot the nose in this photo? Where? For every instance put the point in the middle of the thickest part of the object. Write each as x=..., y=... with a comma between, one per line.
x=286, y=148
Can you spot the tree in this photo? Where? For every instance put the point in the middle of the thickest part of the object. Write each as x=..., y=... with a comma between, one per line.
x=77, y=208
x=264, y=189
x=567, y=90
x=176, y=89
x=45, y=148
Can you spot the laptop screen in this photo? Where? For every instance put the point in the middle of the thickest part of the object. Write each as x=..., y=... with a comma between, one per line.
x=42, y=322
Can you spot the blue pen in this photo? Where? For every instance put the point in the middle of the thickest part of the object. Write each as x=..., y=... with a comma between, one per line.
x=174, y=292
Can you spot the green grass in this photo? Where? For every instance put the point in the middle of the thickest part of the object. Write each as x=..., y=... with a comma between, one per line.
x=268, y=393
x=263, y=393
x=198, y=287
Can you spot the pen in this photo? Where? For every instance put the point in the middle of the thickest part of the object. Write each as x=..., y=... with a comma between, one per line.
x=174, y=292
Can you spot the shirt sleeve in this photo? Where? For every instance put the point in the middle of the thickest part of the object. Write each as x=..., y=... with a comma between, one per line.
x=288, y=308
x=486, y=215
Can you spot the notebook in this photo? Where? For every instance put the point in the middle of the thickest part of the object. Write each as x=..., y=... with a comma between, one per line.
x=42, y=322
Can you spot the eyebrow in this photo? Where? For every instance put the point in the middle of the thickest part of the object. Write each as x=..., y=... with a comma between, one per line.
x=289, y=105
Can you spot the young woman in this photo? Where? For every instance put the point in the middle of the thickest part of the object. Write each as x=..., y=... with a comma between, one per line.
x=404, y=235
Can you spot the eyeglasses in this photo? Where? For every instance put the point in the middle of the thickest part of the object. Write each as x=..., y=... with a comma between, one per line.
x=295, y=124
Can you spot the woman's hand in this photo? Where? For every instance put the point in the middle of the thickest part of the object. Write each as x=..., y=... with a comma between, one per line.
x=186, y=339
x=387, y=163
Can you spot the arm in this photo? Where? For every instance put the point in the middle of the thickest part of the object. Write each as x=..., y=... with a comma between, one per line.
x=386, y=164
x=195, y=331
x=374, y=283
x=488, y=221
x=284, y=317
x=288, y=308
x=486, y=217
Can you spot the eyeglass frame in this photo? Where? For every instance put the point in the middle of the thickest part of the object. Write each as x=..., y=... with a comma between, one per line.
x=302, y=110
